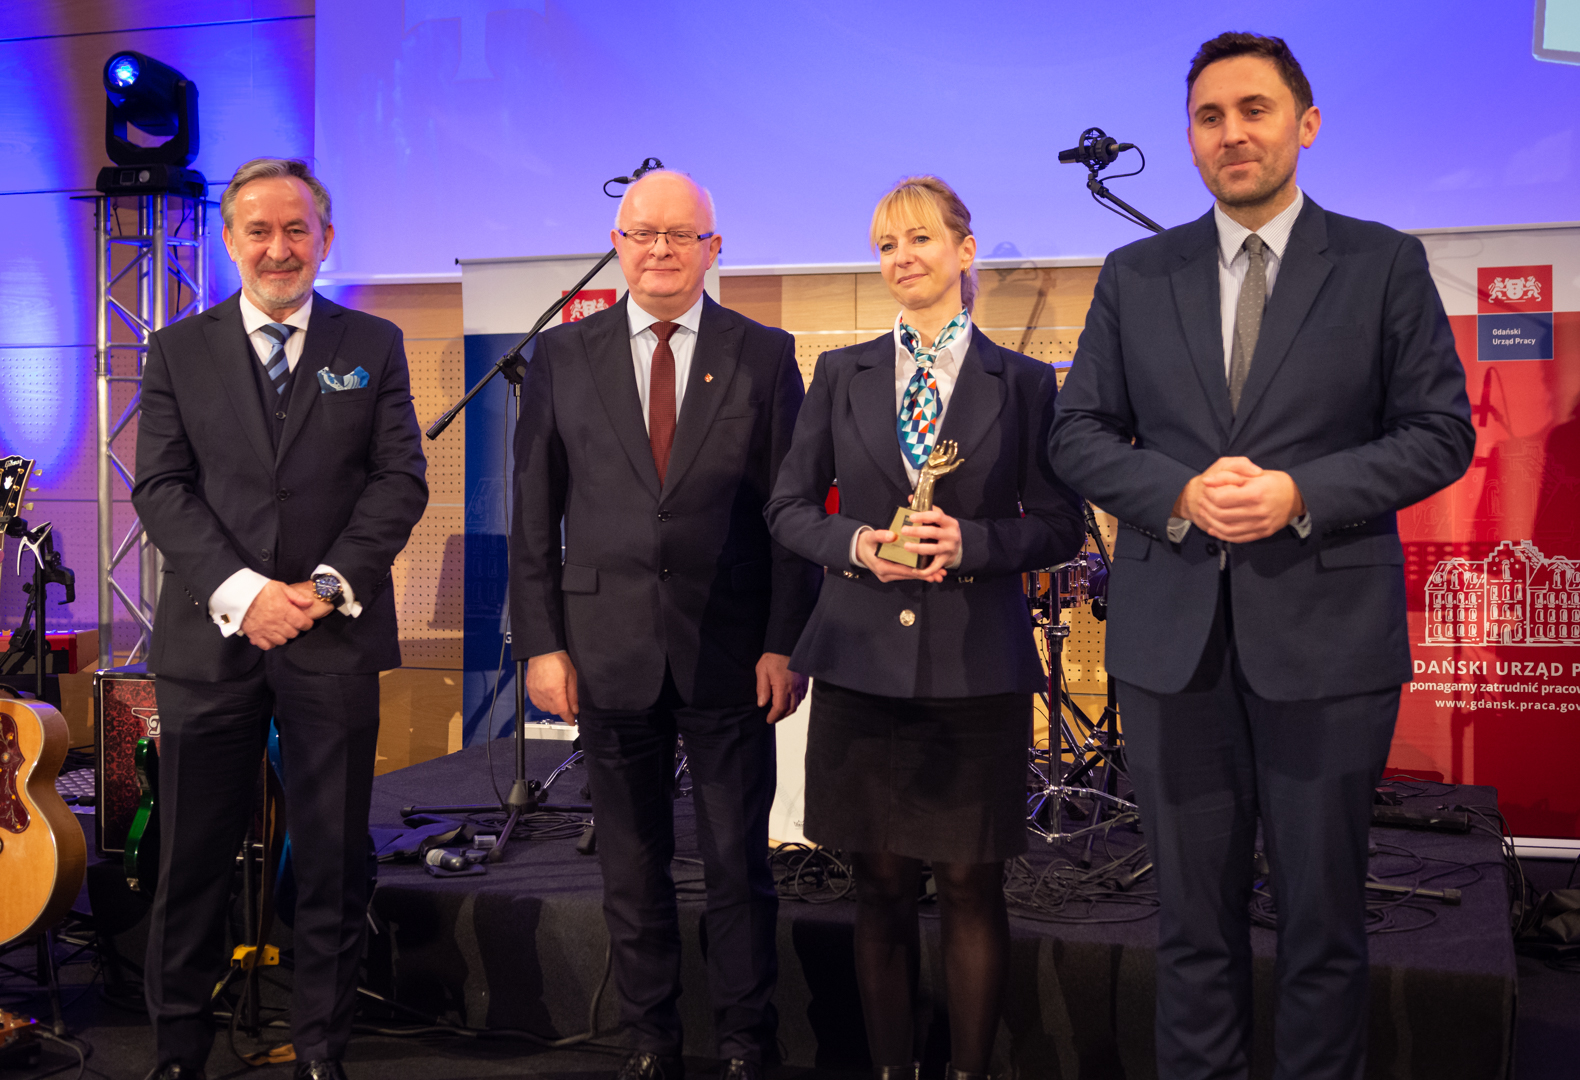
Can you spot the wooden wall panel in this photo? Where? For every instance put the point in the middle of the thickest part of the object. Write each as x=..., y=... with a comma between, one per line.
x=420, y=703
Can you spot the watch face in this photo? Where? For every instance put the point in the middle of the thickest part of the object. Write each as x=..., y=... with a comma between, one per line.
x=327, y=586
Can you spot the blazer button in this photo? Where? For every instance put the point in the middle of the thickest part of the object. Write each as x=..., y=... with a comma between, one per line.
x=664, y=515
x=1212, y=548
x=282, y=495
x=264, y=553
x=907, y=617
x=663, y=575
x=280, y=415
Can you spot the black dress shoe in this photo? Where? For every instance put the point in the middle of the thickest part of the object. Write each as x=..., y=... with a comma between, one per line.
x=913, y=1071
x=952, y=1073
x=174, y=1070
x=645, y=1066
x=322, y=1069
x=741, y=1069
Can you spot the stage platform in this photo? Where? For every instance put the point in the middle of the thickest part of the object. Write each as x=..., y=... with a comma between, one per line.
x=523, y=946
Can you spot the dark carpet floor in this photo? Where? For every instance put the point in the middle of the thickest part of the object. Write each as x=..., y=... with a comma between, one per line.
x=103, y=1009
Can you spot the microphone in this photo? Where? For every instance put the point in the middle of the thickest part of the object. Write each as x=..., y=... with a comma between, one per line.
x=1096, y=149
x=444, y=860
x=648, y=165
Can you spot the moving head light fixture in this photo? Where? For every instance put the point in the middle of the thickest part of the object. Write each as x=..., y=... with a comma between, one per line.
x=156, y=99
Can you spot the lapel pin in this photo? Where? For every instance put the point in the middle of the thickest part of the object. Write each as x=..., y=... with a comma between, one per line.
x=707, y=378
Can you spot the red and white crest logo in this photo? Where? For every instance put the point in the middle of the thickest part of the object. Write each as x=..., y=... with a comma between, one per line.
x=586, y=303
x=1515, y=289
x=1511, y=290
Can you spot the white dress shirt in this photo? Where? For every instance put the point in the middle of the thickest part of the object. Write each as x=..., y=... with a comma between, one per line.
x=1233, y=264
x=946, y=369
x=1234, y=261
x=683, y=343
x=228, y=605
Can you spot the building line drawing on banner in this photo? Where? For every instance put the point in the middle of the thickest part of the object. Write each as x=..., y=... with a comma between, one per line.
x=1514, y=596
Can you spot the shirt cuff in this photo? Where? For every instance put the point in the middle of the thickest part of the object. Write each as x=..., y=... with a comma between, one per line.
x=229, y=604
x=348, y=605
x=856, y=563
x=1301, y=525
x=1178, y=527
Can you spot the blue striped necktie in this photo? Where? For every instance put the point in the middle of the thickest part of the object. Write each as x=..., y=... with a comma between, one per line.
x=278, y=367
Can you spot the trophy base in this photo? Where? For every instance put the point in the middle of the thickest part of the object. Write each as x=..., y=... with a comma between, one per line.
x=895, y=552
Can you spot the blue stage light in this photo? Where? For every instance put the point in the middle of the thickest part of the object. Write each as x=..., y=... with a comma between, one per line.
x=123, y=71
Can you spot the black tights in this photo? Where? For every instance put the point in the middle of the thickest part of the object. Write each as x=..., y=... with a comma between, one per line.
x=975, y=931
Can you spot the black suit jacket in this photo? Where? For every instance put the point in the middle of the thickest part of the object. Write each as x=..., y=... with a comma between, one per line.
x=1355, y=390
x=345, y=486
x=971, y=633
x=684, y=574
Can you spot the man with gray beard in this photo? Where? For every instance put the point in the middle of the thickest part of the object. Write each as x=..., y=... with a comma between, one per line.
x=279, y=471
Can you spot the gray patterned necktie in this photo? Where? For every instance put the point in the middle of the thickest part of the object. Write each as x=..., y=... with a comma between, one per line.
x=277, y=365
x=1247, y=319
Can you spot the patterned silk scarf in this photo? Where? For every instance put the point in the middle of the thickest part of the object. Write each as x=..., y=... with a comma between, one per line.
x=920, y=406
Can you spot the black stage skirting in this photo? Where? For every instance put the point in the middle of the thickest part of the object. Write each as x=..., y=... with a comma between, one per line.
x=523, y=947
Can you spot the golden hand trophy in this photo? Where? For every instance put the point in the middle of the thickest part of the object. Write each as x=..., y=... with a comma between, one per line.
x=939, y=463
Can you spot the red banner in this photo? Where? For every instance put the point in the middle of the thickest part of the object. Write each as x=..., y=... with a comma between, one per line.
x=1493, y=562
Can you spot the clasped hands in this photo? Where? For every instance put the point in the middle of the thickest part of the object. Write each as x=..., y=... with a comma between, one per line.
x=1239, y=501
x=929, y=532
x=280, y=612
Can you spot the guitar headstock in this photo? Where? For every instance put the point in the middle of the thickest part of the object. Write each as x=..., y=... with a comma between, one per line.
x=14, y=474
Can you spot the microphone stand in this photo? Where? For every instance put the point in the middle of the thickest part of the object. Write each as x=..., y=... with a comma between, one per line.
x=1097, y=151
x=511, y=363
x=526, y=796
x=1099, y=190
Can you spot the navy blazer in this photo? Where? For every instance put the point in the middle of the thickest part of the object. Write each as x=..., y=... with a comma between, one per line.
x=345, y=486
x=972, y=632
x=684, y=574
x=1355, y=390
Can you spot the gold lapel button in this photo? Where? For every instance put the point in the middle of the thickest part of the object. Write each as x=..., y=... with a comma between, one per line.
x=707, y=378
x=907, y=617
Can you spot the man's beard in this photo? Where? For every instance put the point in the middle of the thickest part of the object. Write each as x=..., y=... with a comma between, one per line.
x=279, y=293
x=1265, y=190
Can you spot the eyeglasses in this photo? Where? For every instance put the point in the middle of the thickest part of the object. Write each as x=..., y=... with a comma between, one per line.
x=678, y=238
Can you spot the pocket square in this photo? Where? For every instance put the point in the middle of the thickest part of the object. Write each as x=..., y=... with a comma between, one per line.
x=329, y=382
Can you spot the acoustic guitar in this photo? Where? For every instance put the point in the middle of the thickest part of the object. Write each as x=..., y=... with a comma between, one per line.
x=43, y=854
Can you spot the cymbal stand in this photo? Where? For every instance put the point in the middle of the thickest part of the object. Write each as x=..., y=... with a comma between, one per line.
x=1056, y=791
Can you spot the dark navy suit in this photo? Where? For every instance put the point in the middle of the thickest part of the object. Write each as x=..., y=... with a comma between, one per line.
x=224, y=482
x=665, y=597
x=1268, y=688
x=971, y=634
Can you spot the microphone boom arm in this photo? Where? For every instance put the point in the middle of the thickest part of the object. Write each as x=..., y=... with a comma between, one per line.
x=507, y=364
x=1099, y=190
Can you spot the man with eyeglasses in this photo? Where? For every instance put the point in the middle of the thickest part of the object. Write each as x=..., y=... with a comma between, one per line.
x=654, y=431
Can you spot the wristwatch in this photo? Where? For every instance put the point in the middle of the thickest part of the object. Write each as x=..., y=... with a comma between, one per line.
x=328, y=587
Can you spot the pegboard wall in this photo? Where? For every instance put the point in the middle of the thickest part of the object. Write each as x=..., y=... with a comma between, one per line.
x=428, y=574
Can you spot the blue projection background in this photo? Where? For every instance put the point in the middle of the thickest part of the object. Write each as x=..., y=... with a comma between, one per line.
x=478, y=128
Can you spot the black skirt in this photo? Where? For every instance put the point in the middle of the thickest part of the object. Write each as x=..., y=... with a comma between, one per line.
x=927, y=778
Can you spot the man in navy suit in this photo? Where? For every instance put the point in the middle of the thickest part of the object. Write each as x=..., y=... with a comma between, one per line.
x=1254, y=396
x=279, y=472
x=654, y=430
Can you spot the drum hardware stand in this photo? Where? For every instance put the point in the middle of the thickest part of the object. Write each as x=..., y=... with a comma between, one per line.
x=526, y=796
x=1055, y=791
x=30, y=635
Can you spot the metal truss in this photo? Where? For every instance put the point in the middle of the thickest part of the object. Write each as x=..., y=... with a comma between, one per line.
x=151, y=269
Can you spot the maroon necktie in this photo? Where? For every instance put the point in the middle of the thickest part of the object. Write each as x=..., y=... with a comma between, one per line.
x=661, y=398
